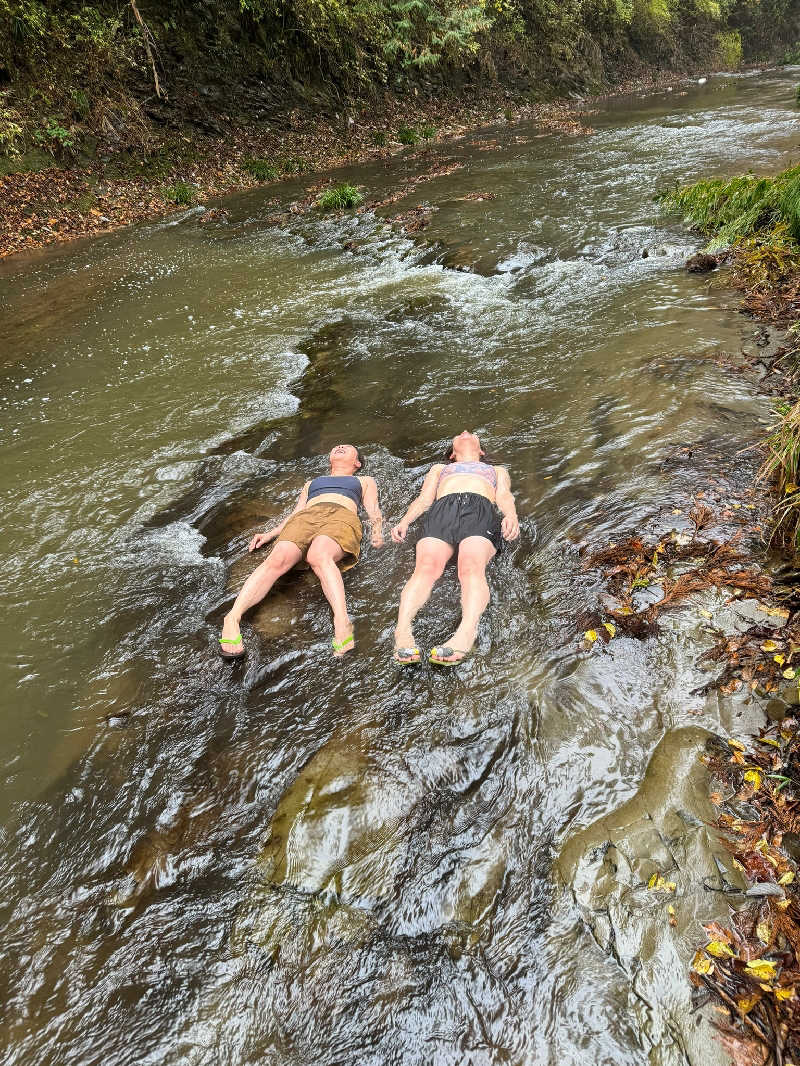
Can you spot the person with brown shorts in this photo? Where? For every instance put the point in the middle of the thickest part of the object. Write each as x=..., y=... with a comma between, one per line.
x=324, y=530
x=470, y=512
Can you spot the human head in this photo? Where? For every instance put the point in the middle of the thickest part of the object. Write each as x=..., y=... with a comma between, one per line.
x=466, y=446
x=346, y=455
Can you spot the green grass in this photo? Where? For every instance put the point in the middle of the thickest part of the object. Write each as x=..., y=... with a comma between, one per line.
x=427, y=132
x=339, y=197
x=406, y=135
x=261, y=169
x=733, y=210
x=180, y=193
x=782, y=465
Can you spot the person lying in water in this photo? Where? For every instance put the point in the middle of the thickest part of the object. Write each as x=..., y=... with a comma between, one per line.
x=324, y=530
x=460, y=499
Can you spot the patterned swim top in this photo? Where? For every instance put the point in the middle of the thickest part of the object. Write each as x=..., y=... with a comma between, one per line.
x=473, y=469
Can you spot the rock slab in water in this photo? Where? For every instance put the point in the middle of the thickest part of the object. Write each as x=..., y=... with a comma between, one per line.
x=662, y=830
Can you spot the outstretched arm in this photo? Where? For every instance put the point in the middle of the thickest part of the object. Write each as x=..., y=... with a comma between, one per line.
x=270, y=534
x=373, y=509
x=426, y=497
x=505, y=501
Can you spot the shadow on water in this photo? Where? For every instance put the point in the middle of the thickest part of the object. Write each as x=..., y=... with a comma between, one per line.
x=299, y=859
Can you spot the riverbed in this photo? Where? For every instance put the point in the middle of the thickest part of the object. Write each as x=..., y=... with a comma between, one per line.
x=302, y=859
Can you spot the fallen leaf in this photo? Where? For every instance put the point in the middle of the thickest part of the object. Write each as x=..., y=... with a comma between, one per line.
x=590, y=635
x=719, y=950
x=610, y=628
x=705, y=614
x=746, y=1003
x=779, y=659
x=702, y=964
x=787, y=878
x=753, y=777
x=789, y=674
x=762, y=932
x=784, y=993
x=625, y=610
x=769, y=645
x=762, y=969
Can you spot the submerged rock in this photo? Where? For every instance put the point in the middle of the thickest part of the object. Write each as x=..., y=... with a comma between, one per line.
x=701, y=263
x=662, y=832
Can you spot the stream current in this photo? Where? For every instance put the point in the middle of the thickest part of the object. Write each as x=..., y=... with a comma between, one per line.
x=303, y=860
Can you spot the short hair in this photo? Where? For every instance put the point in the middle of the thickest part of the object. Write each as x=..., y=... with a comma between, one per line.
x=361, y=459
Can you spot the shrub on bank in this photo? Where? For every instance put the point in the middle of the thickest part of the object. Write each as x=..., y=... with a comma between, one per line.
x=341, y=196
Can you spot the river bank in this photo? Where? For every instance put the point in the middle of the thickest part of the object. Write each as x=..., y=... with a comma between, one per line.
x=39, y=207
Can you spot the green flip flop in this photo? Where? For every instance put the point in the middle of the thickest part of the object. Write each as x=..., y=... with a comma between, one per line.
x=340, y=646
x=407, y=656
x=438, y=655
x=231, y=654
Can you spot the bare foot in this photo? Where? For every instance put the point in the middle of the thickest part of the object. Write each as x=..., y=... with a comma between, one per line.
x=404, y=642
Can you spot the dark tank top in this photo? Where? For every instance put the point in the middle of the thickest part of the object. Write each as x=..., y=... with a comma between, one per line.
x=344, y=485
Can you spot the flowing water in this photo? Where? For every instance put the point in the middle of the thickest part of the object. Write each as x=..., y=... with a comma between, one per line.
x=303, y=860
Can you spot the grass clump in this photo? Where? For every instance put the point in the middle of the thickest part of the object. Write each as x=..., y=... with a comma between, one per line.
x=740, y=208
x=427, y=132
x=782, y=465
x=406, y=135
x=180, y=193
x=261, y=169
x=340, y=196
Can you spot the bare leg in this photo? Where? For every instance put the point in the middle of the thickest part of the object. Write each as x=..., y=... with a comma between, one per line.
x=432, y=556
x=473, y=555
x=283, y=557
x=322, y=557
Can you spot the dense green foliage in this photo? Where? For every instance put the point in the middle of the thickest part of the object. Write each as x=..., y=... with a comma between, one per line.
x=74, y=65
x=729, y=211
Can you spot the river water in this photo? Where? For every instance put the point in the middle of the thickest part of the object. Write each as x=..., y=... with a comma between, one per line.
x=302, y=860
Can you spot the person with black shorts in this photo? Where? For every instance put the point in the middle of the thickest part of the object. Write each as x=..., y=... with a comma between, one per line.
x=469, y=509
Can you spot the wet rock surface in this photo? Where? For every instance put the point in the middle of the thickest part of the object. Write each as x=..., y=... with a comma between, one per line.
x=662, y=831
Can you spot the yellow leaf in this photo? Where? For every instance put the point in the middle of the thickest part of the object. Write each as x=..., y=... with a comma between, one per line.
x=653, y=881
x=590, y=635
x=753, y=777
x=702, y=963
x=769, y=645
x=705, y=614
x=762, y=932
x=625, y=610
x=670, y=886
x=75, y=560
x=788, y=488
x=769, y=740
x=719, y=950
x=610, y=628
x=779, y=659
x=762, y=969
x=747, y=1003
x=787, y=878
x=784, y=993
x=670, y=909
x=789, y=674
x=677, y=511
x=784, y=903
x=736, y=744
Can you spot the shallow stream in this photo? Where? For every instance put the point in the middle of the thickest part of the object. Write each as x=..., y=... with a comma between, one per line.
x=310, y=861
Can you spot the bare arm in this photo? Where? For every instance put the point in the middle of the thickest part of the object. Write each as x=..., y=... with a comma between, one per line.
x=505, y=501
x=427, y=495
x=270, y=534
x=373, y=508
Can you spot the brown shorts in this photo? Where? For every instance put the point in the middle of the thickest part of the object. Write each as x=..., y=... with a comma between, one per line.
x=327, y=520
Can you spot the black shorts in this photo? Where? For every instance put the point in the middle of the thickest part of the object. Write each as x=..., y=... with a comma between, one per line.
x=462, y=514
